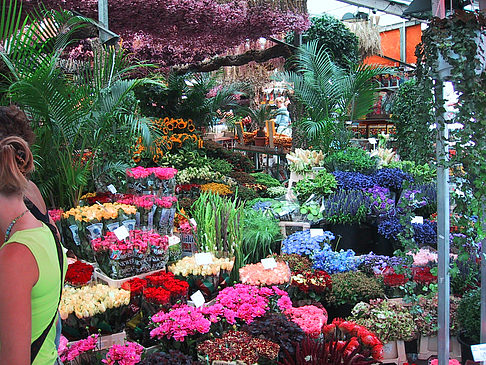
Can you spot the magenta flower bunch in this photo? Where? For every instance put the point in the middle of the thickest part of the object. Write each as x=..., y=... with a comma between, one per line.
x=77, y=349
x=180, y=322
x=162, y=173
x=128, y=354
x=249, y=302
x=148, y=201
x=138, y=240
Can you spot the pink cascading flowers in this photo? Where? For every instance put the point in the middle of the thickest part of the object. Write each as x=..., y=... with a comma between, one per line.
x=127, y=354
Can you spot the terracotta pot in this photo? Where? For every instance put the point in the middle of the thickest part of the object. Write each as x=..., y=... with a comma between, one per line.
x=260, y=141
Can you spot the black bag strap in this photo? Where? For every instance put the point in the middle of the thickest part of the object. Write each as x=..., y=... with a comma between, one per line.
x=37, y=344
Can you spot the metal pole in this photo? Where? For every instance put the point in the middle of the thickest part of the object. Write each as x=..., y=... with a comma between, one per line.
x=443, y=224
x=103, y=19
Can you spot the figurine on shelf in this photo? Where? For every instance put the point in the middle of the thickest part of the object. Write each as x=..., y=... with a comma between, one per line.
x=282, y=119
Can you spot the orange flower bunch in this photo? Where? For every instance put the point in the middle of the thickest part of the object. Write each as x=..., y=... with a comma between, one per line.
x=283, y=141
x=99, y=211
x=220, y=189
x=175, y=132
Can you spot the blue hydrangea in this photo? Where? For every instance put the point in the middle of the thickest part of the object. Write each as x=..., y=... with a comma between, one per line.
x=302, y=243
x=335, y=261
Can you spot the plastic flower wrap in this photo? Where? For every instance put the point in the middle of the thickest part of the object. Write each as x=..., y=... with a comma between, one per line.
x=142, y=251
x=93, y=307
x=243, y=347
x=310, y=318
x=79, y=273
x=159, y=180
x=256, y=274
x=80, y=225
x=302, y=161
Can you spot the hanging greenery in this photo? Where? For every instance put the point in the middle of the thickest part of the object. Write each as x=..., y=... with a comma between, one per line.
x=460, y=41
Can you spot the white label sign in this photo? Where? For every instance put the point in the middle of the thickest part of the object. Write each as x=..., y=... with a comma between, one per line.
x=121, y=233
x=269, y=263
x=204, y=258
x=479, y=352
x=315, y=232
x=418, y=219
x=198, y=299
x=372, y=140
x=111, y=188
x=173, y=240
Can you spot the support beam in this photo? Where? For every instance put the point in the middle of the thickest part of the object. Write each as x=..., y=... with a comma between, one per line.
x=389, y=7
x=103, y=19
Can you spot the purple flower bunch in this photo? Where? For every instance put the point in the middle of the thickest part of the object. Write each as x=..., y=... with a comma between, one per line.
x=375, y=264
x=345, y=207
x=425, y=234
x=350, y=180
x=411, y=199
x=390, y=227
x=391, y=178
x=380, y=202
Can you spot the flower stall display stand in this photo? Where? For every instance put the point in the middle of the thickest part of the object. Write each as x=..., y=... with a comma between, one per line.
x=284, y=224
x=428, y=347
x=100, y=277
x=394, y=352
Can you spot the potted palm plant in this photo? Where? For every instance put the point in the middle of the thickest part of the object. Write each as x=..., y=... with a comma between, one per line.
x=260, y=115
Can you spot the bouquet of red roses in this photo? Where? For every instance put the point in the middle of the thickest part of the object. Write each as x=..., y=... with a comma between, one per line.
x=79, y=273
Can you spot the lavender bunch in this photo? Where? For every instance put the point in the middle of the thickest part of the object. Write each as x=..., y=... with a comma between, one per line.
x=346, y=207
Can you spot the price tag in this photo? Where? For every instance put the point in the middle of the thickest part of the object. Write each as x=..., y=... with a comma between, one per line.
x=204, y=258
x=315, y=232
x=121, y=233
x=269, y=263
x=111, y=188
x=418, y=219
x=372, y=140
x=198, y=299
x=174, y=240
x=193, y=222
x=479, y=352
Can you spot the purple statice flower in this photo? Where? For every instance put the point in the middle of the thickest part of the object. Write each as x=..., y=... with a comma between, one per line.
x=391, y=178
x=350, y=180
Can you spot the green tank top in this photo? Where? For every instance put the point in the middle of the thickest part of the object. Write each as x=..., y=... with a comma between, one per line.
x=45, y=293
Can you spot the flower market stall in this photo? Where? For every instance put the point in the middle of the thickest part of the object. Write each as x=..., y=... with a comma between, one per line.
x=309, y=247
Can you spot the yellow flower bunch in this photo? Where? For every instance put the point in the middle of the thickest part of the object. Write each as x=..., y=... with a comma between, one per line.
x=88, y=301
x=99, y=211
x=220, y=189
x=187, y=266
x=175, y=132
x=88, y=195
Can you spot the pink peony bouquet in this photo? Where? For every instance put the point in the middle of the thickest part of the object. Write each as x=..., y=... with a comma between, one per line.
x=256, y=274
x=310, y=318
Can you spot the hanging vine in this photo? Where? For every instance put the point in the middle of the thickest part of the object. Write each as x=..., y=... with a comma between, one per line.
x=461, y=41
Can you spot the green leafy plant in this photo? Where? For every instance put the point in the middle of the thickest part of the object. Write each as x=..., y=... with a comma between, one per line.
x=412, y=114
x=334, y=36
x=353, y=287
x=390, y=321
x=311, y=211
x=260, y=235
x=221, y=166
x=422, y=174
x=322, y=184
x=265, y=179
x=469, y=315
x=351, y=159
